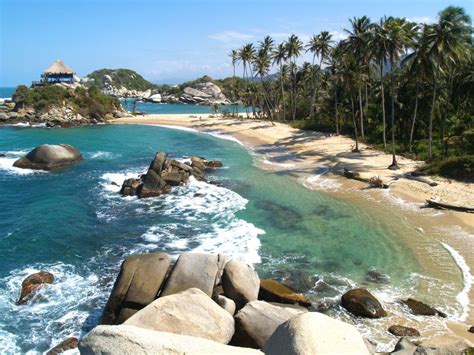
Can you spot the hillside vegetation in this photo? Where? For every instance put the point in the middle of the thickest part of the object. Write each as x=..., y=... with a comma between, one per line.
x=120, y=77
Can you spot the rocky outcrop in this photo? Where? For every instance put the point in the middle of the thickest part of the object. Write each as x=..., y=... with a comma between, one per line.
x=32, y=283
x=422, y=309
x=190, y=312
x=164, y=173
x=315, y=333
x=206, y=93
x=257, y=321
x=402, y=331
x=362, y=303
x=141, y=278
x=273, y=291
x=127, y=339
x=193, y=270
x=240, y=283
x=49, y=157
x=65, y=345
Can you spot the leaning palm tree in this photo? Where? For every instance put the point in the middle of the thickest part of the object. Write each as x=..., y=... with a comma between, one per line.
x=261, y=64
x=294, y=47
x=279, y=57
x=234, y=54
x=246, y=55
x=449, y=37
x=320, y=46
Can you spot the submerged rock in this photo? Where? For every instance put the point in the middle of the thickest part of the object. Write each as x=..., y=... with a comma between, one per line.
x=273, y=291
x=422, y=309
x=66, y=344
x=402, y=331
x=362, y=303
x=314, y=333
x=49, y=157
x=377, y=277
x=32, y=283
x=190, y=312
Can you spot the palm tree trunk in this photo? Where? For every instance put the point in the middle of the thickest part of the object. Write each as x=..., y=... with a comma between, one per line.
x=313, y=96
x=445, y=114
x=414, y=117
x=335, y=109
x=282, y=93
x=361, y=109
x=356, y=150
x=394, y=165
x=266, y=100
x=430, y=127
x=383, y=108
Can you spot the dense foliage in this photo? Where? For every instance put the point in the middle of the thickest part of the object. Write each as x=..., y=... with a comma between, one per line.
x=87, y=102
x=404, y=86
x=120, y=77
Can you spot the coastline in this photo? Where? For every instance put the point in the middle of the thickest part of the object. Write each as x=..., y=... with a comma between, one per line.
x=307, y=155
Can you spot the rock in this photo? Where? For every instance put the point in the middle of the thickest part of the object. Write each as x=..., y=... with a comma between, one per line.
x=181, y=166
x=226, y=303
x=141, y=278
x=402, y=331
x=127, y=339
x=257, y=321
x=214, y=164
x=471, y=329
x=130, y=187
x=32, y=283
x=67, y=344
x=314, y=333
x=273, y=291
x=172, y=178
x=155, y=98
x=240, y=283
x=48, y=157
x=377, y=277
x=421, y=309
x=193, y=270
x=3, y=116
x=190, y=312
x=404, y=347
x=361, y=302
x=118, y=114
x=158, y=162
x=153, y=185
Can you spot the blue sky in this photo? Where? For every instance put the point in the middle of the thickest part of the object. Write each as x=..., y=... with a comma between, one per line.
x=170, y=41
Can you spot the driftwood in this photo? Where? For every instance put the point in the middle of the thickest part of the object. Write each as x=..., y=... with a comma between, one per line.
x=365, y=177
x=419, y=178
x=448, y=206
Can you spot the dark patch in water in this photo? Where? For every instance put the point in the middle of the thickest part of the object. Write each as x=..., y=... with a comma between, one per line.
x=282, y=217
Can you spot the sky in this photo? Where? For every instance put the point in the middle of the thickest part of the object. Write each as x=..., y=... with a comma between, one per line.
x=171, y=41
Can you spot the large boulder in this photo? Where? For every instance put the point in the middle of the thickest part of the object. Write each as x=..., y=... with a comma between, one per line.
x=402, y=331
x=240, y=283
x=362, y=303
x=257, y=321
x=422, y=309
x=141, y=278
x=273, y=291
x=190, y=312
x=49, y=157
x=153, y=185
x=65, y=345
x=193, y=270
x=225, y=303
x=314, y=333
x=127, y=339
x=32, y=283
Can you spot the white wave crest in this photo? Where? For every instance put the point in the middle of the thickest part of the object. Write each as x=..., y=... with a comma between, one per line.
x=6, y=163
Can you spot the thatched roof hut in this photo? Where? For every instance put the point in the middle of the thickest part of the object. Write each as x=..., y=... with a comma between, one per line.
x=59, y=68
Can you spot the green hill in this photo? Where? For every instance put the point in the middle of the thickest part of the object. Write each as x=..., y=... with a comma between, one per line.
x=127, y=78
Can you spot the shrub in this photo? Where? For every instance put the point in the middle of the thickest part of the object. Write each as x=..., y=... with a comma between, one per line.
x=460, y=168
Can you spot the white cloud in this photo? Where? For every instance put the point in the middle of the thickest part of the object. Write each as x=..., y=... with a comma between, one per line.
x=231, y=36
x=338, y=35
x=421, y=19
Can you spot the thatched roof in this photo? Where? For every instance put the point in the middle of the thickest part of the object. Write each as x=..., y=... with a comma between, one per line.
x=58, y=67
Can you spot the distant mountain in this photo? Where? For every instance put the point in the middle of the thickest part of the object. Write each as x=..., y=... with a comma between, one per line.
x=117, y=78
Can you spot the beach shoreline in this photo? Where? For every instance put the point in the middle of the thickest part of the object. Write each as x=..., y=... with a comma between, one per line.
x=309, y=155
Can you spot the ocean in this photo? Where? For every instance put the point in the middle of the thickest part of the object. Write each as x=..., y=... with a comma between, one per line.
x=75, y=224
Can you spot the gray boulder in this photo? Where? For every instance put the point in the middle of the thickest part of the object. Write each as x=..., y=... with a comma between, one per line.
x=193, y=270
x=362, y=303
x=422, y=309
x=226, y=304
x=190, y=312
x=141, y=278
x=240, y=283
x=127, y=339
x=314, y=333
x=49, y=157
x=257, y=321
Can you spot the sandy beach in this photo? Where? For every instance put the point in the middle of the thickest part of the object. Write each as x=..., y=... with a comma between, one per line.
x=304, y=155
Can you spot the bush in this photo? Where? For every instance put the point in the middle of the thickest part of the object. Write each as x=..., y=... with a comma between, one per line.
x=459, y=168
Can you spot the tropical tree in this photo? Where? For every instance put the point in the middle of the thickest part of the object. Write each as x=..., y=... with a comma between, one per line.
x=246, y=55
x=234, y=54
x=294, y=46
x=279, y=57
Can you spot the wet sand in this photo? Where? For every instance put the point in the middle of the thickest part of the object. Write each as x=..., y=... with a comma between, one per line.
x=305, y=155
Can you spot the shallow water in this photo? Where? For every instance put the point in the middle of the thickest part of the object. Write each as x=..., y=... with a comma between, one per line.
x=74, y=224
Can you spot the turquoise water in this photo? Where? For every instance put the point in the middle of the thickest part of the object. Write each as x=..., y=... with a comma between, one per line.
x=74, y=224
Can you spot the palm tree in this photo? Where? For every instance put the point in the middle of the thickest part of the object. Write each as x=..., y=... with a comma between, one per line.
x=234, y=54
x=349, y=72
x=246, y=55
x=261, y=64
x=319, y=45
x=357, y=44
x=449, y=37
x=279, y=57
x=293, y=50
